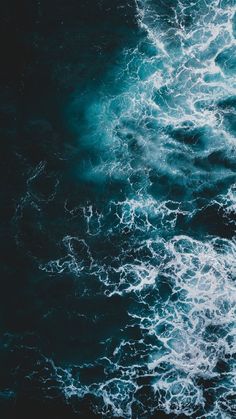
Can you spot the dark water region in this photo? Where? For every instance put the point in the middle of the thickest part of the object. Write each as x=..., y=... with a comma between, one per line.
x=118, y=209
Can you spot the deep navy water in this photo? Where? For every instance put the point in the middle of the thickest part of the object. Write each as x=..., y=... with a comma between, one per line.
x=118, y=209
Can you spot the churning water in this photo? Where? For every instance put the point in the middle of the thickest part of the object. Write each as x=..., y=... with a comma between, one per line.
x=147, y=325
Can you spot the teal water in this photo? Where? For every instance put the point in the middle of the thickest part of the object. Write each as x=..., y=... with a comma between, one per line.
x=134, y=276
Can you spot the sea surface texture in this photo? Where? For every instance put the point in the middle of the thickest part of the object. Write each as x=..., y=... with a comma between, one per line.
x=119, y=296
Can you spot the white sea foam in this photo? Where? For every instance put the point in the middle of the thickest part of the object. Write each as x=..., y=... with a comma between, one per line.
x=162, y=124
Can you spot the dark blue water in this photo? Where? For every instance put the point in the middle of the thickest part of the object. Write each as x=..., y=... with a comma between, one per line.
x=118, y=126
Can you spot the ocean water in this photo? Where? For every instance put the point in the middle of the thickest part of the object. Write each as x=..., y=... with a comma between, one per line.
x=118, y=293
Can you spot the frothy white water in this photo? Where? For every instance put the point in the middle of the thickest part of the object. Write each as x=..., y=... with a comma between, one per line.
x=175, y=79
x=166, y=126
